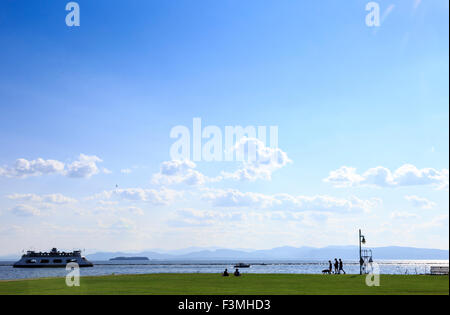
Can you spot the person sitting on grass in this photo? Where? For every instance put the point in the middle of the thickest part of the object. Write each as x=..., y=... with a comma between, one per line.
x=237, y=273
x=225, y=273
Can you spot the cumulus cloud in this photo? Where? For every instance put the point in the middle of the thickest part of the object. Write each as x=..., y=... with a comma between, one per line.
x=179, y=172
x=191, y=217
x=195, y=218
x=112, y=208
x=344, y=177
x=24, y=168
x=36, y=205
x=235, y=198
x=50, y=198
x=24, y=210
x=406, y=175
x=84, y=167
x=420, y=202
x=156, y=197
x=403, y=215
x=259, y=161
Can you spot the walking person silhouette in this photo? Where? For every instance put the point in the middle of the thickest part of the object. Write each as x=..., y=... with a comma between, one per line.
x=341, y=266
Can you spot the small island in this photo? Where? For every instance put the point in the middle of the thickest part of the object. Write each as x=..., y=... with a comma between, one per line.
x=130, y=258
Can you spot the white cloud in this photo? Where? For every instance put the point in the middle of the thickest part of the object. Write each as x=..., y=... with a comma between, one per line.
x=135, y=210
x=106, y=202
x=191, y=217
x=406, y=175
x=344, y=177
x=50, y=198
x=125, y=171
x=420, y=202
x=409, y=175
x=403, y=215
x=84, y=167
x=25, y=211
x=378, y=176
x=259, y=161
x=112, y=208
x=179, y=172
x=156, y=197
x=24, y=168
x=235, y=198
x=214, y=219
x=119, y=225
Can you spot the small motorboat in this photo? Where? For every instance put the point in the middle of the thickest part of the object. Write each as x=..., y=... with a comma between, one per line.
x=241, y=265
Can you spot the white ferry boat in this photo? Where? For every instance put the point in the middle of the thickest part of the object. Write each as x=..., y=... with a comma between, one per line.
x=52, y=259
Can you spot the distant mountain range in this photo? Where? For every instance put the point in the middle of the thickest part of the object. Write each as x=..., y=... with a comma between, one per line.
x=279, y=253
x=282, y=253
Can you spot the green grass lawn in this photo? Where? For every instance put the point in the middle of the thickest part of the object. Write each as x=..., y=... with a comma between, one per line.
x=258, y=284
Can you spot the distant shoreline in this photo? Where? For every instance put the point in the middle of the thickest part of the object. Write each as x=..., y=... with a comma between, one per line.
x=128, y=258
x=287, y=253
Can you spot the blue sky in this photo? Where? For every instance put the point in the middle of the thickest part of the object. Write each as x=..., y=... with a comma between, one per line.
x=341, y=93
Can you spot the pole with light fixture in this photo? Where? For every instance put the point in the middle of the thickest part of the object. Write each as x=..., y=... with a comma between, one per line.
x=362, y=240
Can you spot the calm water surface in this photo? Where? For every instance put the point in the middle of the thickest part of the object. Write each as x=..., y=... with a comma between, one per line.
x=7, y=272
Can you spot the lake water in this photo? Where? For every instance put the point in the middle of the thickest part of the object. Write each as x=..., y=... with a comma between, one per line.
x=7, y=272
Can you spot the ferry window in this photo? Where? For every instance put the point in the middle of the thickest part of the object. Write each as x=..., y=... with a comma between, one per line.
x=44, y=261
x=57, y=261
x=31, y=261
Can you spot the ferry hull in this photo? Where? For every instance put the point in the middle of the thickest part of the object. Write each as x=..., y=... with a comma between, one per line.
x=53, y=259
x=49, y=266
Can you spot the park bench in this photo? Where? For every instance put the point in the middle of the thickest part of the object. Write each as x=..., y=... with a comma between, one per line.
x=439, y=270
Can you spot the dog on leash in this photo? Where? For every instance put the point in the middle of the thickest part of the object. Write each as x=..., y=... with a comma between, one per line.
x=326, y=271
